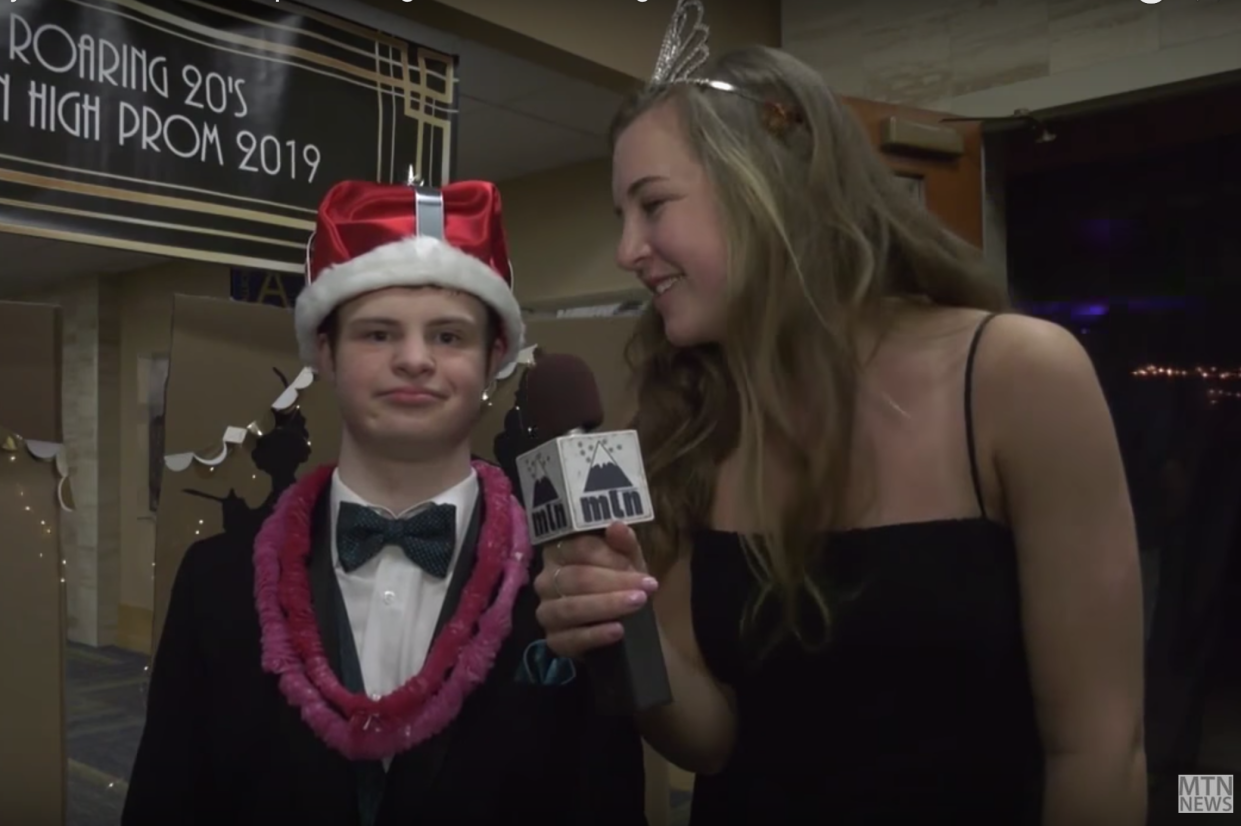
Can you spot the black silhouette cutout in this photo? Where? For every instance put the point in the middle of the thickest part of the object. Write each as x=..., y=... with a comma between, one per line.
x=156, y=399
x=278, y=454
x=514, y=440
x=282, y=451
x=155, y=465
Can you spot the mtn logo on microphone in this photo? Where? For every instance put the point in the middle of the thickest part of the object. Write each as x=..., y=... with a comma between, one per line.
x=582, y=483
x=547, y=509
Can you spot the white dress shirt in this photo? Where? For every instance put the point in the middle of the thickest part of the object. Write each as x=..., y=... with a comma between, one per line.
x=394, y=605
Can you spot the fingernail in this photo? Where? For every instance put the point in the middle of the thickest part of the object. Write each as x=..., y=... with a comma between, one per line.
x=650, y=584
x=636, y=598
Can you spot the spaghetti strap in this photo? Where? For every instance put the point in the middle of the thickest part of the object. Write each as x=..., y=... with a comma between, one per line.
x=969, y=413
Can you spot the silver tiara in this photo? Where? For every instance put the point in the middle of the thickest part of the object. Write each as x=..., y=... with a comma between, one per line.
x=685, y=48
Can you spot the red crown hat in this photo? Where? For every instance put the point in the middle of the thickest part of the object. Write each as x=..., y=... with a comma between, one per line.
x=373, y=236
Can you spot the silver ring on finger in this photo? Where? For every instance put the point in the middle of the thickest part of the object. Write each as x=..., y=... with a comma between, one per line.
x=556, y=581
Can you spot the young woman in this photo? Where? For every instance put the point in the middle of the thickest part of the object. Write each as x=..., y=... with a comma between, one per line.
x=894, y=561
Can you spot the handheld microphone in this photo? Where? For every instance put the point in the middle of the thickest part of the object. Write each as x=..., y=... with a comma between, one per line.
x=577, y=481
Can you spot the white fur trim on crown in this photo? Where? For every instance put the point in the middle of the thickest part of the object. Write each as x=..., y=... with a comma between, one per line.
x=412, y=262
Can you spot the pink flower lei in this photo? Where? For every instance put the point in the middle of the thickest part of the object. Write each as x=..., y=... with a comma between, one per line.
x=460, y=658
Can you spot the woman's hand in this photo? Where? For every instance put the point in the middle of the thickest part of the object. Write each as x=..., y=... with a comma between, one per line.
x=587, y=585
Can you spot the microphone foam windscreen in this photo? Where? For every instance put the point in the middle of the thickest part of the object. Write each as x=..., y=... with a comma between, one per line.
x=561, y=395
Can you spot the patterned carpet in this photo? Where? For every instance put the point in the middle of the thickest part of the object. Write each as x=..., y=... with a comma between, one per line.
x=104, y=713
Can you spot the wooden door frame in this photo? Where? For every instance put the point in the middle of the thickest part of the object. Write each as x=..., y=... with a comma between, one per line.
x=941, y=176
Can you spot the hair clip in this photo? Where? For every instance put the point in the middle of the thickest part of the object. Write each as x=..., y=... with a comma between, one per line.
x=780, y=118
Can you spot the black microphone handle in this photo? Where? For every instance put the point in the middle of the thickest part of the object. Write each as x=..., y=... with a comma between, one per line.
x=630, y=676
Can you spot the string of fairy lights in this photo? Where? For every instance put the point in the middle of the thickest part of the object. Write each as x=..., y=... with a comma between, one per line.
x=1204, y=373
x=1219, y=383
x=46, y=529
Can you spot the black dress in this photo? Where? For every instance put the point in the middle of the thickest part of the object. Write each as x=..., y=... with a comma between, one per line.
x=918, y=711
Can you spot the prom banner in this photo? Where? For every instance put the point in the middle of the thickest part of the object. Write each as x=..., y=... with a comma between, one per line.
x=206, y=131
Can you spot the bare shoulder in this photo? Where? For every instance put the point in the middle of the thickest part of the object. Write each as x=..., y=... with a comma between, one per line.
x=1040, y=385
x=1024, y=360
x=1023, y=342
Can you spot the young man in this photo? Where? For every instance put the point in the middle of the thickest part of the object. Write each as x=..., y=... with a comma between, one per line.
x=372, y=658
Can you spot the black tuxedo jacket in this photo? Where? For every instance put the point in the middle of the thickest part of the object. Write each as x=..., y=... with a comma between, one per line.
x=223, y=746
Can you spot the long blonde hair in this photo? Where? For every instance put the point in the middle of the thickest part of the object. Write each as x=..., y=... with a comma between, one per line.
x=819, y=234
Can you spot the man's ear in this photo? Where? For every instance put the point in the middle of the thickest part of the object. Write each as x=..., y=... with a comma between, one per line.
x=495, y=358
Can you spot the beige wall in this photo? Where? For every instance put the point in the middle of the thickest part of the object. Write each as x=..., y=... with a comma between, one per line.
x=146, y=330
x=90, y=535
x=989, y=57
x=609, y=43
x=109, y=324
x=562, y=238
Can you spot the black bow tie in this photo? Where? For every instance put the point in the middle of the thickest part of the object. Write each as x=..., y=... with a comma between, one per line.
x=427, y=537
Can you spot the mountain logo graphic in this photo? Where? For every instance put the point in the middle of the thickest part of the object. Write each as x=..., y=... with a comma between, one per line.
x=544, y=492
x=609, y=493
x=547, y=512
x=604, y=473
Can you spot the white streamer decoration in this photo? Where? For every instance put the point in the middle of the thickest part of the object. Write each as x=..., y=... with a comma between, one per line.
x=524, y=357
x=233, y=435
x=53, y=452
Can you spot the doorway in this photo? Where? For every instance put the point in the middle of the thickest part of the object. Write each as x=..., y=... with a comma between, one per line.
x=1120, y=231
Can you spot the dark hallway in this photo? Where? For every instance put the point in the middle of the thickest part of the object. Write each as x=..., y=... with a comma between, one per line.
x=1126, y=234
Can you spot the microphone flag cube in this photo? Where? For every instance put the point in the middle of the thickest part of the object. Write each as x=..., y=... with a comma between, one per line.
x=584, y=482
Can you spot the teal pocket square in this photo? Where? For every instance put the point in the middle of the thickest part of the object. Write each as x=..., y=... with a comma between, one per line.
x=539, y=666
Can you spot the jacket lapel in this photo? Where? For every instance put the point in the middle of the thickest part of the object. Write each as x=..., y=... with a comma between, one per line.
x=327, y=773
x=324, y=590
x=335, y=630
x=411, y=774
x=464, y=567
